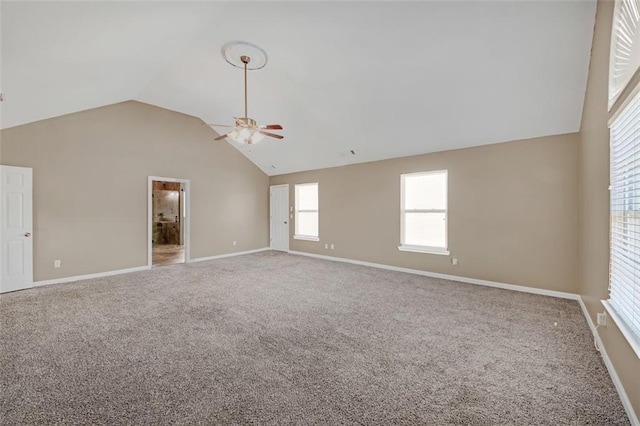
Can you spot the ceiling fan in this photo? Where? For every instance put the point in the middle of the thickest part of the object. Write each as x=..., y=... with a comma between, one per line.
x=247, y=130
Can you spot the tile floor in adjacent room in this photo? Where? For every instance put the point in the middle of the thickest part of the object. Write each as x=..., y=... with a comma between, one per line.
x=167, y=254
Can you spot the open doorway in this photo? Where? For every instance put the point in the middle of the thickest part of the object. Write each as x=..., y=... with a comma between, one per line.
x=168, y=221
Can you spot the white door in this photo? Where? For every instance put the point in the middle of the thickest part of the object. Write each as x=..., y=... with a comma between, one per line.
x=280, y=217
x=16, y=203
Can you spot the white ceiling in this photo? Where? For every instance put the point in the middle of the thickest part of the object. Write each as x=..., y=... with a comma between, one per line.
x=385, y=79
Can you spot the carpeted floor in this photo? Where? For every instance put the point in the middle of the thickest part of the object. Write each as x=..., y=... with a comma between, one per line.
x=273, y=338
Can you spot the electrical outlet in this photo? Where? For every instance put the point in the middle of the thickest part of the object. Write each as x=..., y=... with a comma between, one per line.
x=602, y=318
x=454, y=261
x=57, y=263
x=326, y=246
x=332, y=247
x=234, y=243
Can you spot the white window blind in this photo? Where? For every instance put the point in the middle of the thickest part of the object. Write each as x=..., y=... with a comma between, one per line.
x=307, y=210
x=624, y=268
x=625, y=46
x=424, y=211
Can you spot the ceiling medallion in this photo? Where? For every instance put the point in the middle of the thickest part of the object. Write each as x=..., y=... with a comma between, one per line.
x=233, y=51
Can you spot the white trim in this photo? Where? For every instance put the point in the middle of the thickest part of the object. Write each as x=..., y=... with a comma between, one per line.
x=423, y=249
x=136, y=269
x=466, y=280
x=305, y=238
x=624, y=398
x=623, y=327
x=222, y=256
x=627, y=100
x=187, y=222
x=90, y=276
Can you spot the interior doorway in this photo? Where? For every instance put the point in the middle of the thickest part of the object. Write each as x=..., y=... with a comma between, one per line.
x=168, y=221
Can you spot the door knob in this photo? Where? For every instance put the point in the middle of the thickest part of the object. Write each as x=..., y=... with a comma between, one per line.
x=285, y=223
x=27, y=234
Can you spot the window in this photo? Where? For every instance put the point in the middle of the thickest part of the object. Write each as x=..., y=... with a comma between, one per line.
x=624, y=266
x=424, y=212
x=307, y=212
x=625, y=51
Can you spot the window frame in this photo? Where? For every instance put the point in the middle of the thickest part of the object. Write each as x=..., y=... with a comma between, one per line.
x=296, y=235
x=618, y=317
x=444, y=251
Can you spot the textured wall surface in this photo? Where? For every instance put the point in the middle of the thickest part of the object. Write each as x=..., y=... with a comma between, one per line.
x=594, y=205
x=512, y=212
x=93, y=227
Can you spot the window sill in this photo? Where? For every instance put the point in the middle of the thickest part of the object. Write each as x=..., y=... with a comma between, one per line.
x=427, y=250
x=633, y=341
x=305, y=238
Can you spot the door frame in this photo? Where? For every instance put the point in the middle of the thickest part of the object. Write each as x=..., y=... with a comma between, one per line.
x=285, y=185
x=187, y=219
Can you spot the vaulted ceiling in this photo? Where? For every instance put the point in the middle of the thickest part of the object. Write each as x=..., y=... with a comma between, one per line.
x=384, y=79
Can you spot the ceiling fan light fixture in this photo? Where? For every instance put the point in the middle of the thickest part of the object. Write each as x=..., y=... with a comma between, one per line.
x=245, y=136
x=256, y=137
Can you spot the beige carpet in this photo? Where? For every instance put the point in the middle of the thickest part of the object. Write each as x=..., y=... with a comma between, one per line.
x=273, y=338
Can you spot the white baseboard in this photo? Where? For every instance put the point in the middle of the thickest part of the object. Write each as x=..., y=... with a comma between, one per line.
x=626, y=403
x=90, y=276
x=222, y=256
x=136, y=269
x=466, y=280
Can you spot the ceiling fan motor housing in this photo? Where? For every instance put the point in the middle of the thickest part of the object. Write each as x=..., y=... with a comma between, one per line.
x=249, y=122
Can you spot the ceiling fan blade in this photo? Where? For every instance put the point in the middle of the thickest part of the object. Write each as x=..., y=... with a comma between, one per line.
x=273, y=135
x=271, y=127
x=219, y=138
x=217, y=125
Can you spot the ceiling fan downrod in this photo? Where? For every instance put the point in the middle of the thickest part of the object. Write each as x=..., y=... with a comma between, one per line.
x=245, y=60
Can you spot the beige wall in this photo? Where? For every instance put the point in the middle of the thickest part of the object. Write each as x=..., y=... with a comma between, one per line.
x=512, y=212
x=594, y=205
x=93, y=227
